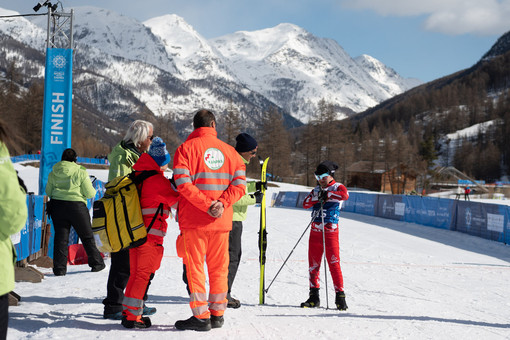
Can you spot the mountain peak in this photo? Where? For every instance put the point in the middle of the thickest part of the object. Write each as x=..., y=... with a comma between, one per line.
x=500, y=47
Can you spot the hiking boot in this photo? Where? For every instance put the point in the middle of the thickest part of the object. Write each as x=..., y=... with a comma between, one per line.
x=113, y=316
x=340, y=301
x=233, y=303
x=194, y=324
x=149, y=310
x=217, y=321
x=142, y=322
x=98, y=268
x=313, y=301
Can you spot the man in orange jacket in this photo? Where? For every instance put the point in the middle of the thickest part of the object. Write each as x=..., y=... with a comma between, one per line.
x=210, y=177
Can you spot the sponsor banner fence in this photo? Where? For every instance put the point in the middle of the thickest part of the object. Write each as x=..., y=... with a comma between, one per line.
x=489, y=221
x=29, y=240
x=37, y=157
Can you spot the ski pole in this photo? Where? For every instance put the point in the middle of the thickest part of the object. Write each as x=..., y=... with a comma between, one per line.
x=324, y=251
x=284, y=262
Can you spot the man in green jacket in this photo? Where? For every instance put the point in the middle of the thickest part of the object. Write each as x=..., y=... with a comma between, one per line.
x=13, y=216
x=246, y=146
x=69, y=187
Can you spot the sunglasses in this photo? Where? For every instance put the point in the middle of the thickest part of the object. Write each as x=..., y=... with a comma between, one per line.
x=151, y=138
x=254, y=152
x=319, y=177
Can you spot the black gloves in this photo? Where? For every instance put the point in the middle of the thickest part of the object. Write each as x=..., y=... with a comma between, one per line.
x=259, y=184
x=323, y=196
x=258, y=196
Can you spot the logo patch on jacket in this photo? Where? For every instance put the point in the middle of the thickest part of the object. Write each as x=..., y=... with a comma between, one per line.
x=214, y=158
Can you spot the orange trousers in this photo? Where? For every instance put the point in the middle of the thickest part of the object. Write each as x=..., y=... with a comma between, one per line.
x=144, y=260
x=196, y=247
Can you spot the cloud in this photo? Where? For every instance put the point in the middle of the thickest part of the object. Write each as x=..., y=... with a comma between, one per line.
x=454, y=17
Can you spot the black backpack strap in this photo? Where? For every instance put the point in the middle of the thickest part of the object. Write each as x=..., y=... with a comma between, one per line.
x=139, y=176
x=158, y=211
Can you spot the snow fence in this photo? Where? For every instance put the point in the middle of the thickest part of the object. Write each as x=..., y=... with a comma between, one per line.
x=486, y=220
x=36, y=238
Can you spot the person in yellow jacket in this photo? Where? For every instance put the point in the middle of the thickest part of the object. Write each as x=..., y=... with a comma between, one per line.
x=69, y=186
x=247, y=147
x=210, y=177
x=13, y=216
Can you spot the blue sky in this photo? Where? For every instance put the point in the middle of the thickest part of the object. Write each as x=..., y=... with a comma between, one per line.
x=420, y=39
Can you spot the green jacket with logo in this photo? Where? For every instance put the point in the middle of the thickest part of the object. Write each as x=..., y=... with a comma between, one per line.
x=13, y=216
x=69, y=181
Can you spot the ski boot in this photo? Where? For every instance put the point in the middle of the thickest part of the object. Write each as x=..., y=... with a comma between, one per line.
x=313, y=301
x=340, y=301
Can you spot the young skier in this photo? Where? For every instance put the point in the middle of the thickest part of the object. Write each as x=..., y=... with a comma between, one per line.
x=328, y=196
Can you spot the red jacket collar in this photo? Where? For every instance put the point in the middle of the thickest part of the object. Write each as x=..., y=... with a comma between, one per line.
x=146, y=162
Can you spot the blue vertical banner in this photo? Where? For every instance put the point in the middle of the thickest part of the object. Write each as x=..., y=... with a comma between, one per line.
x=57, y=110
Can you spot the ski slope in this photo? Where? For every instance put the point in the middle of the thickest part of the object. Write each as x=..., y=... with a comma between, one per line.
x=402, y=281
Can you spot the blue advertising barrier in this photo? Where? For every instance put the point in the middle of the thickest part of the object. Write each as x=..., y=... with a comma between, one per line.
x=30, y=240
x=36, y=157
x=390, y=206
x=489, y=221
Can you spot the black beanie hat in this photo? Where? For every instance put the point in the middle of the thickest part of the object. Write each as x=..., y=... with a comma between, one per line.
x=326, y=167
x=245, y=142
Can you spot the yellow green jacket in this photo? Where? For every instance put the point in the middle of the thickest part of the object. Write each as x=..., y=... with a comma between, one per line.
x=122, y=158
x=13, y=216
x=241, y=206
x=69, y=181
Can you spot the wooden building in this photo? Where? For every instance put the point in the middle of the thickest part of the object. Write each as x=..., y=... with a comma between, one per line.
x=381, y=177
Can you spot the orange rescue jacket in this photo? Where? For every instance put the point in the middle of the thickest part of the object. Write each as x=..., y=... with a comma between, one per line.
x=207, y=169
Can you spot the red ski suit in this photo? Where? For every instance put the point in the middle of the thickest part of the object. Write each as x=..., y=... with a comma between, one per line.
x=337, y=193
x=146, y=258
x=206, y=169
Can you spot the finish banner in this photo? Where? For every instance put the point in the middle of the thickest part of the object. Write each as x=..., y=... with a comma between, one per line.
x=57, y=118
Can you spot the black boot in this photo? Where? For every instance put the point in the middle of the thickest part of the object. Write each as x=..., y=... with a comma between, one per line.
x=194, y=324
x=144, y=322
x=313, y=301
x=340, y=301
x=217, y=321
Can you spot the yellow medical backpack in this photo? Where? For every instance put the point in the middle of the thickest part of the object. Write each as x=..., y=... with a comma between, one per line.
x=117, y=220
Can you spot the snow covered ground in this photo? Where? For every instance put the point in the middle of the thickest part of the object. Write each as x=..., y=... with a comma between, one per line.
x=403, y=281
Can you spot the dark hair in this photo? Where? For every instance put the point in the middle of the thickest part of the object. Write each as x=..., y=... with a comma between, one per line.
x=203, y=118
x=69, y=155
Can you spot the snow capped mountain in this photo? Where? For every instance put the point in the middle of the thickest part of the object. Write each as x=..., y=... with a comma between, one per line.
x=296, y=69
x=22, y=30
x=123, y=66
x=193, y=55
x=120, y=36
x=385, y=76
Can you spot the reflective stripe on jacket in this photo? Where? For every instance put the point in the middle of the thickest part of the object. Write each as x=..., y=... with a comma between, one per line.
x=207, y=169
x=153, y=191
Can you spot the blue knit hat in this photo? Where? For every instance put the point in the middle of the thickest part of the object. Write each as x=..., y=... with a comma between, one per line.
x=245, y=142
x=158, y=152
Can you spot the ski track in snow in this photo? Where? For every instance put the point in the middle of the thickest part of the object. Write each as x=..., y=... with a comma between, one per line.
x=402, y=281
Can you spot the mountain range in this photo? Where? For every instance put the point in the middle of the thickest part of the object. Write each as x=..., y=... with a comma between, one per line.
x=124, y=69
